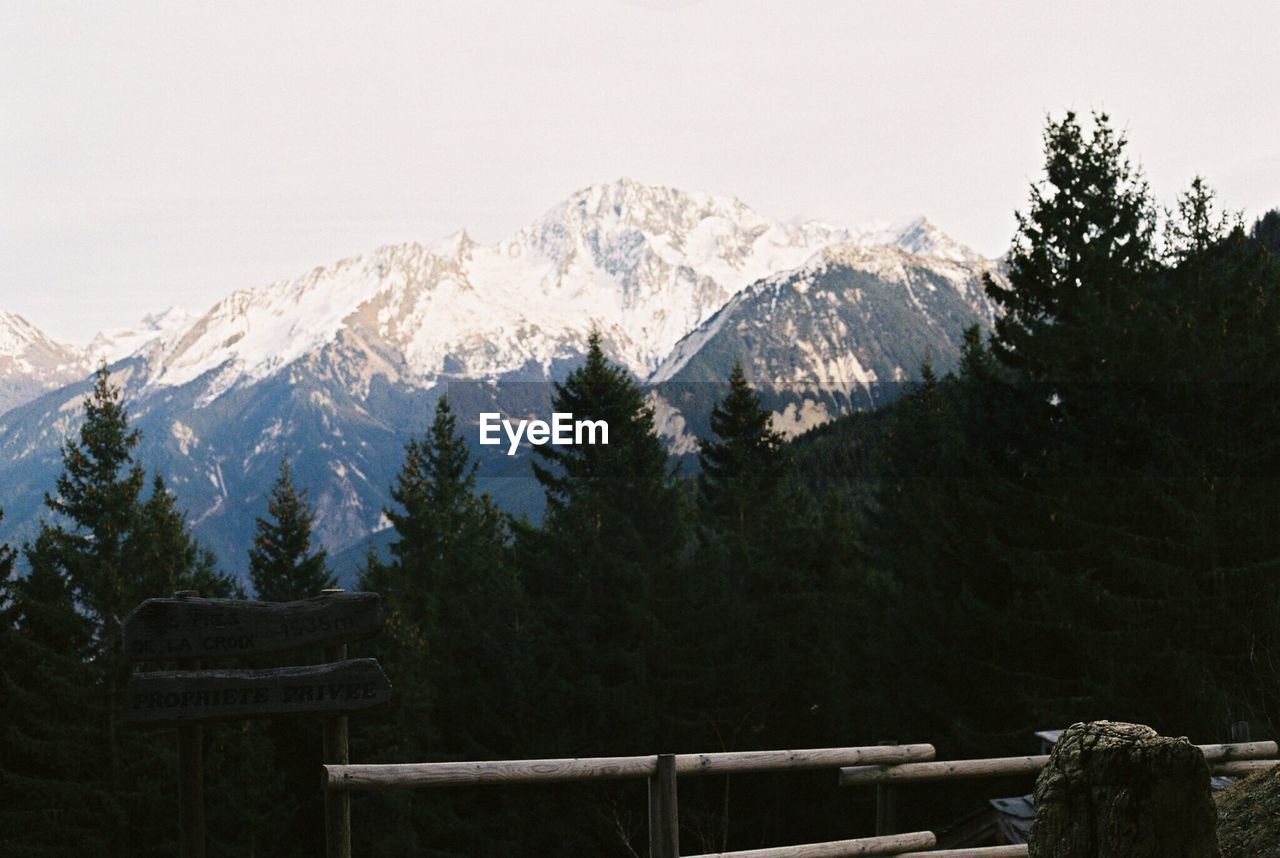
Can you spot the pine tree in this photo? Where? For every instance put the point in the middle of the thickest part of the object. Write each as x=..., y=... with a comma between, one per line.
x=596, y=572
x=96, y=507
x=1196, y=226
x=751, y=631
x=451, y=601
x=1266, y=231
x=91, y=564
x=742, y=472
x=7, y=555
x=55, y=797
x=1078, y=256
x=282, y=565
x=624, y=484
x=161, y=547
x=1200, y=547
x=97, y=492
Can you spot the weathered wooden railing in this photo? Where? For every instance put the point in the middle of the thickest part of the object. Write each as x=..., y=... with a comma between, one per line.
x=1240, y=758
x=661, y=771
x=880, y=765
x=354, y=777
x=1230, y=759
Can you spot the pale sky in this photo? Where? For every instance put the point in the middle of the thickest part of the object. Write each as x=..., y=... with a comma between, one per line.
x=156, y=154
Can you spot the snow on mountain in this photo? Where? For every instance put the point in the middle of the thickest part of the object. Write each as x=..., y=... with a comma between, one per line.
x=645, y=265
x=31, y=362
x=335, y=368
x=154, y=329
x=920, y=237
x=894, y=263
x=841, y=332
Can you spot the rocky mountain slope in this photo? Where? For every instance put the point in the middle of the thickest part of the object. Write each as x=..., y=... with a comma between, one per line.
x=31, y=362
x=337, y=367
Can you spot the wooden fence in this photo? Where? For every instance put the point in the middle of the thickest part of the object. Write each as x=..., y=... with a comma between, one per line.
x=883, y=766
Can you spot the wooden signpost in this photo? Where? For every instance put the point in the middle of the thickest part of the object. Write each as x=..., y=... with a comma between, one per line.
x=181, y=628
x=192, y=631
x=170, y=697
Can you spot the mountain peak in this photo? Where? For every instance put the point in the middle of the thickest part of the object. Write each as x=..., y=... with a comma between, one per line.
x=645, y=264
x=15, y=332
x=921, y=237
x=116, y=344
x=32, y=362
x=21, y=340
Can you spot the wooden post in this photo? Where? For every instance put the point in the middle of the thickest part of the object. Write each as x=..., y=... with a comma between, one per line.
x=190, y=773
x=664, y=820
x=886, y=805
x=337, y=803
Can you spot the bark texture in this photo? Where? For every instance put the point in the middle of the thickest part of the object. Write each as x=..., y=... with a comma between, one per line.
x=1116, y=790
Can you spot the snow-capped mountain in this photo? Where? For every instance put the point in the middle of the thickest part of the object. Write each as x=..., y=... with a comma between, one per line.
x=155, y=331
x=31, y=362
x=337, y=367
x=841, y=332
x=644, y=265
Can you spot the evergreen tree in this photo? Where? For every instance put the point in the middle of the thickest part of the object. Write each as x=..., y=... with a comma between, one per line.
x=83, y=553
x=599, y=572
x=451, y=601
x=591, y=489
x=1077, y=258
x=54, y=795
x=91, y=564
x=7, y=555
x=1196, y=226
x=756, y=635
x=742, y=472
x=1266, y=231
x=282, y=565
x=160, y=546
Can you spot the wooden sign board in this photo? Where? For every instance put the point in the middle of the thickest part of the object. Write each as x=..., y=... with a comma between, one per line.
x=188, y=628
x=173, y=696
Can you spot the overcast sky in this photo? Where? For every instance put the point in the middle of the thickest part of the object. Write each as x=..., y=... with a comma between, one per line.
x=168, y=153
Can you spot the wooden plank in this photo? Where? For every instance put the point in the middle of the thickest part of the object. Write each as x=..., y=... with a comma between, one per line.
x=993, y=768
x=191, y=790
x=380, y=776
x=809, y=758
x=1240, y=751
x=1012, y=766
x=664, y=818
x=337, y=805
x=166, y=697
x=1243, y=768
x=181, y=628
x=972, y=852
x=893, y=844
x=607, y=768
x=191, y=825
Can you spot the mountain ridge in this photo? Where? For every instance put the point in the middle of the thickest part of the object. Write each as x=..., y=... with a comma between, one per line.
x=336, y=366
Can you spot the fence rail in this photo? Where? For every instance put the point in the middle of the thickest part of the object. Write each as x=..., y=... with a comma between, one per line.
x=893, y=844
x=884, y=766
x=1220, y=757
x=379, y=776
x=974, y=852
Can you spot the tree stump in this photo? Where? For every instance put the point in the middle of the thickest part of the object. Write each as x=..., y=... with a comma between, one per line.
x=1116, y=790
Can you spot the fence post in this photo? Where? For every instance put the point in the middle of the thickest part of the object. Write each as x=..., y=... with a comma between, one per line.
x=664, y=820
x=190, y=773
x=337, y=803
x=886, y=805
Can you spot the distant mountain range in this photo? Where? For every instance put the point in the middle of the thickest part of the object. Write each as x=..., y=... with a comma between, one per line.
x=336, y=368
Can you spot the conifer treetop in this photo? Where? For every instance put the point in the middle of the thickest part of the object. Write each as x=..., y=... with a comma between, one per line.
x=282, y=565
